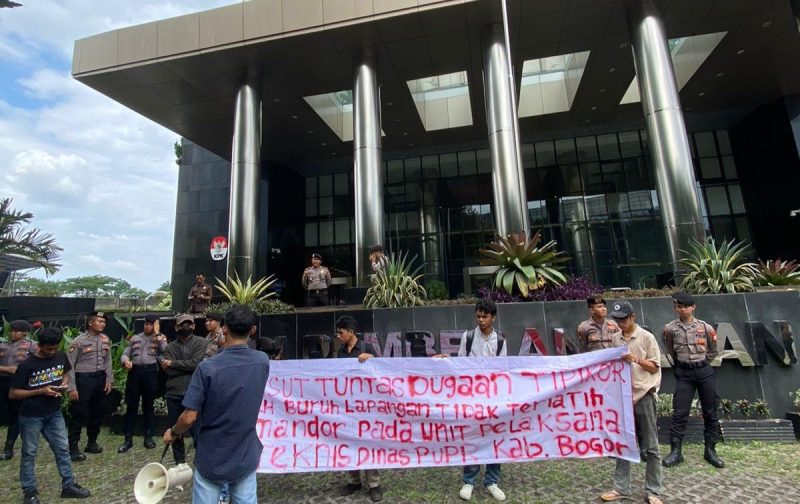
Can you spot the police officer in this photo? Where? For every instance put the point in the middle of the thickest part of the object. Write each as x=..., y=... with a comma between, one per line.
x=90, y=381
x=316, y=279
x=200, y=294
x=692, y=344
x=216, y=339
x=596, y=333
x=140, y=359
x=12, y=353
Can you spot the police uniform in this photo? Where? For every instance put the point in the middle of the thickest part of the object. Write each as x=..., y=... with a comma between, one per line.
x=692, y=346
x=90, y=357
x=316, y=280
x=215, y=338
x=143, y=353
x=596, y=336
x=12, y=353
x=199, y=306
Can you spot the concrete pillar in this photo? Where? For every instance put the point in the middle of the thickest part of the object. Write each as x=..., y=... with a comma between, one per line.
x=669, y=145
x=245, y=181
x=368, y=165
x=508, y=180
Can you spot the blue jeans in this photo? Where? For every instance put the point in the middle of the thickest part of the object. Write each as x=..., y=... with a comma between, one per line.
x=242, y=491
x=52, y=427
x=492, y=476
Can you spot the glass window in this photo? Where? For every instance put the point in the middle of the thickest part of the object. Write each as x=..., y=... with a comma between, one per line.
x=528, y=155
x=342, y=231
x=311, y=234
x=413, y=168
x=326, y=233
x=608, y=146
x=466, y=163
x=341, y=183
x=572, y=179
x=413, y=193
x=737, y=202
x=412, y=221
x=705, y=144
x=572, y=209
x=710, y=169
x=430, y=167
x=592, y=178
x=717, y=201
x=326, y=206
x=596, y=208
x=565, y=151
x=724, y=142
x=545, y=155
x=485, y=160
x=587, y=149
x=629, y=144
x=311, y=187
x=311, y=208
x=729, y=168
x=325, y=185
x=394, y=172
x=449, y=165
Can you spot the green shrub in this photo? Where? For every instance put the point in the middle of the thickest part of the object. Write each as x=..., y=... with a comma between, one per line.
x=712, y=270
x=246, y=293
x=795, y=399
x=761, y=408
x=261, y=307
x=436, y=289
x=664, y=405
x=522, y=264
x=778, y=272
x=396, y=285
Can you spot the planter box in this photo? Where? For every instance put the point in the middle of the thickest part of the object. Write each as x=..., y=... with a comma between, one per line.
x=794, y=417
x=117, y=425
x=772, y=429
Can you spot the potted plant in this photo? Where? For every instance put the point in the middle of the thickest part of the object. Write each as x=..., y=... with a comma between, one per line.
x=794, y=416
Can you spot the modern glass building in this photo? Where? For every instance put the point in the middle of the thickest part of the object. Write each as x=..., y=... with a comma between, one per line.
x=619, y=128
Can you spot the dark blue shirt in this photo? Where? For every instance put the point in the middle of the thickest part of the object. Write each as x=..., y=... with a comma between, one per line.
x=226, y=391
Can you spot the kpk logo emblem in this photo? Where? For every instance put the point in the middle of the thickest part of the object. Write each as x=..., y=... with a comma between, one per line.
x=219, y=248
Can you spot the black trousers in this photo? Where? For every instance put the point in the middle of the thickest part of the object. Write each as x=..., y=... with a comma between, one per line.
x=687, y=381
x=88, y=409
x=10, y=411
x=317, y=298
x=142, y=384
x=174, y=410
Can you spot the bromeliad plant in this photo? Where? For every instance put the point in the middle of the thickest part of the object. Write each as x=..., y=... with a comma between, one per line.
x=522, y=264
x=778, y=272
x=713, y=270
x=246, y=293
x=397, y=285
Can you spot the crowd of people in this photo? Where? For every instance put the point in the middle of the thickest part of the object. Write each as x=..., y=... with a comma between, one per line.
x=214, y=386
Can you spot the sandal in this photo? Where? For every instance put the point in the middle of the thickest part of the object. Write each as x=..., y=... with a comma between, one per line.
x=612, y=495
x=653, y=499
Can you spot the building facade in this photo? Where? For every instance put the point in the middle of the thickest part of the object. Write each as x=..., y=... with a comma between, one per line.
x=620, y=129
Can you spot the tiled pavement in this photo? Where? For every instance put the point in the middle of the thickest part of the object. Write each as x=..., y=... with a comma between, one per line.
x=756, y=473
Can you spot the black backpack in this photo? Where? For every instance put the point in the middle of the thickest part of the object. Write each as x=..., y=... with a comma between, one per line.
x=500, y=341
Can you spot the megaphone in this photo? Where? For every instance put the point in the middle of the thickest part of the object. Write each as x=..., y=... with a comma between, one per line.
x=154, y=481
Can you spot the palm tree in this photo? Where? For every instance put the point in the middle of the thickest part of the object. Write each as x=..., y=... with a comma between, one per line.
x=32, y=244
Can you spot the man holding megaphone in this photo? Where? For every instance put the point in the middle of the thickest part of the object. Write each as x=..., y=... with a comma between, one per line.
x=225, y=395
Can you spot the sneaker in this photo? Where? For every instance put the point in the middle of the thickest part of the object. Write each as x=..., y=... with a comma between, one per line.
x=466, y=492
x=74, y=491
x=496, y=492
x=31, y=497
x=376, y=494
x=350, y=489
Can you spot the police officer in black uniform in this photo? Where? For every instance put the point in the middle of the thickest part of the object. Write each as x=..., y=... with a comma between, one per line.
x=90, y=381
x=692, y=344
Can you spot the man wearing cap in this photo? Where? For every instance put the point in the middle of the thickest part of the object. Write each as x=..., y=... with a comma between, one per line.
x=12, y=353
x=644, y=357
x=316, y=279
x=596, y=333
x=215, y=338
x=181, y=358
x=90, y=381
x=692, y=344
x=199, y=295
x=140, y=359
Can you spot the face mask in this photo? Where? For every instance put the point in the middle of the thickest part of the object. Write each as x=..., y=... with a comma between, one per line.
x=184, y=331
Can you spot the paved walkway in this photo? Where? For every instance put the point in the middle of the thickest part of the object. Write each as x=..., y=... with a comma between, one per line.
x=756, y=473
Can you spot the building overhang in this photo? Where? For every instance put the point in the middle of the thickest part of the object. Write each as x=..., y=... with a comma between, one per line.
x=183, y=73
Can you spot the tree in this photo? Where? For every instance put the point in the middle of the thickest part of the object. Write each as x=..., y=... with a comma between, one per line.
x=32, y=244
x=39, y=287
x=165, y=287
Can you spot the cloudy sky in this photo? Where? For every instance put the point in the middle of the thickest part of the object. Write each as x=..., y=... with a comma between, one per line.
x=97, y=176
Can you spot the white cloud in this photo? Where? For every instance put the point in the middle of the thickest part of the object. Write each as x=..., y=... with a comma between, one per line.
x=99, y=177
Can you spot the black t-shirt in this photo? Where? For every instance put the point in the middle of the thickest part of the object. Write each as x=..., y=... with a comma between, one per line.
x=35, y=373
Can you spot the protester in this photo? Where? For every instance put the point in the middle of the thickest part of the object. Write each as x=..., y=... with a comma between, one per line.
x=692, y=344
x=225, y=395
x=90, y=381
x=181, y=358
x=199, y=295
x=215, y=339
x=140, y=360
x=355, y=347
x=316, y=280
x=38, y=384
x=12, y=353
x=645, y=358
x=597, y=332
x=483, y=341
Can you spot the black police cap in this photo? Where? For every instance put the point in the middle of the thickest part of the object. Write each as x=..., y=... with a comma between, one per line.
x=151, y=318
x=219, y=317
x=20, y=325
x=683, y=298
x=100, y=314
